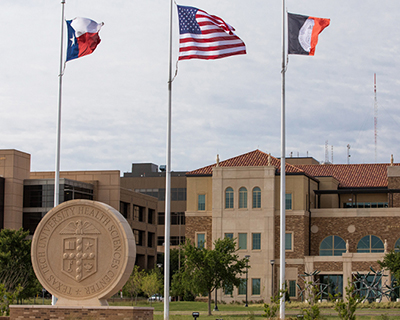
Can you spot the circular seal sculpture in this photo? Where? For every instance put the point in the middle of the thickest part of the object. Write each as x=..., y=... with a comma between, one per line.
x=83, y=252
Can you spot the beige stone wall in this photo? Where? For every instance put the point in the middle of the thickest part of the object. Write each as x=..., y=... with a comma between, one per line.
x=14, y=167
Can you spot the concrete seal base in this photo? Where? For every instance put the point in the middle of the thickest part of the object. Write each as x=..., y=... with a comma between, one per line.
x=18, y=312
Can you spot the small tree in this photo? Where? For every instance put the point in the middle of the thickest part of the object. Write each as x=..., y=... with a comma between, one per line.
x=15, y=262
x=347, y=309
x=206, y=270
x=152, y=283
x=133, y=286
x=391, y=261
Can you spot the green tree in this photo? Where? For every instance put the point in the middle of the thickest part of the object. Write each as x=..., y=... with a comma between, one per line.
x=15, y=263
x=134, y=284
x=347, y=309
x=206, y=270
x=391, y=261
x=152, y=283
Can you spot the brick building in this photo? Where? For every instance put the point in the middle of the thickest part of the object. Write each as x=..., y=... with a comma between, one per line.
x=25, y=197
x=340, y=219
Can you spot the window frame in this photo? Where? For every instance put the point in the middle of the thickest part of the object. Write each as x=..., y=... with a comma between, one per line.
x=253, y=286
x=333, y=248
x=370, y=249
x=290, y=283
x=256, y=198
x=239, y=240
x=197, y=239
x=243, y=198
x=288, y=197
x=199, y=208
x=291, y=233
x=229, y=198
x=259, y=240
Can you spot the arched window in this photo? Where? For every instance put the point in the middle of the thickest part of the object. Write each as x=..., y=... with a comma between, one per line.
x=242, y=198
x=397, y=245
x=256, y=197
x=332, y=246
x=370, y=244
x=229, y=198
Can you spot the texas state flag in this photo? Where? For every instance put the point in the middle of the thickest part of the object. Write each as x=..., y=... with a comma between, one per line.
x=83, y=37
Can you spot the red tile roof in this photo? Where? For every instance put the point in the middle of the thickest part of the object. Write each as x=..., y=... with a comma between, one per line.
x=351, y=175
x=348, y=175
x=254, y=158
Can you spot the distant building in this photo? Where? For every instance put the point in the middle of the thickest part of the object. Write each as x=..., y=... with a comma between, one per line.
x=25, y=197
x=339, y=218
x=146, y=178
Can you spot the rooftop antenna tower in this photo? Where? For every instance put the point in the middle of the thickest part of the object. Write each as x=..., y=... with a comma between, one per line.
x=375, y=120
x=332, y=154
x=326, y=152
x=348, y=154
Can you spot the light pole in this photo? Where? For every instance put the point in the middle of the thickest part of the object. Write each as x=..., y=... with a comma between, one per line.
x=247, y=275
x=272, y=278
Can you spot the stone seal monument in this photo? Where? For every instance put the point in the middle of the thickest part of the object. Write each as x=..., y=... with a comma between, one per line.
x=83, y=252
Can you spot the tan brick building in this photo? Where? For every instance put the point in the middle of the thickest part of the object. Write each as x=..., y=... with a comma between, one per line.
x=25, y=197
x=339, y=218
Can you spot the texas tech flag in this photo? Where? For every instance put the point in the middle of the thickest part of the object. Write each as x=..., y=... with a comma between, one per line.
x=303, y=33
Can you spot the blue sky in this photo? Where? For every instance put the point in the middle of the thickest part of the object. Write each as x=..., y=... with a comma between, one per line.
x=114, y=109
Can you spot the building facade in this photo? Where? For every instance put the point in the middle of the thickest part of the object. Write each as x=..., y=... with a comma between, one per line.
x=25, y=197
x=148, y=178
x=340, y=219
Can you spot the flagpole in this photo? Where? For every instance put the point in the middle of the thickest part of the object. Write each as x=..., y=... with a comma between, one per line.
x=283, y=168
x=167, y=235
x=58, y=142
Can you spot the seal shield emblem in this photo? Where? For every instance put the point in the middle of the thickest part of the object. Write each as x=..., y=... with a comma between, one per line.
x=79, y=250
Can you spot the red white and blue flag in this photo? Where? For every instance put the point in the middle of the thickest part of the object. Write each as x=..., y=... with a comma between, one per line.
x=303, y=33
x=83, y=37
x=204, y=36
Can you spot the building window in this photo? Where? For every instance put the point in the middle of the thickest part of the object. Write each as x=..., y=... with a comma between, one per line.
x=242, y=287
x=160, y=240
x=242, y=198
x=31, y=220
x=256, y=198
x=370, y=244
x=229, y=235
x=124, y=209
x=201, y=203
x=242, y=241
x=177, y=218
x=289, y=241
x=292, y=288
x=228, y=290
x=255, y=286
x=201, y=240
x=334, y=285
x=288, y=201
x=229, y=198
x=150, y=239
x=161, y=218
x=397, y=245
x=332, y=246
x=150, y=214
x=256, y=241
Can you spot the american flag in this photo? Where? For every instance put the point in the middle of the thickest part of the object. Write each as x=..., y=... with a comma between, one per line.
x=203, y=36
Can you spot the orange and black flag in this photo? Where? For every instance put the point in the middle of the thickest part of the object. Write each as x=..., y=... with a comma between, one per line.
x=303, y=33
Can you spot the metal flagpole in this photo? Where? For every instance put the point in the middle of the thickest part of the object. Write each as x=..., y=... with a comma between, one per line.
x=57, y=169
x=167, y=235
x=283, y=167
